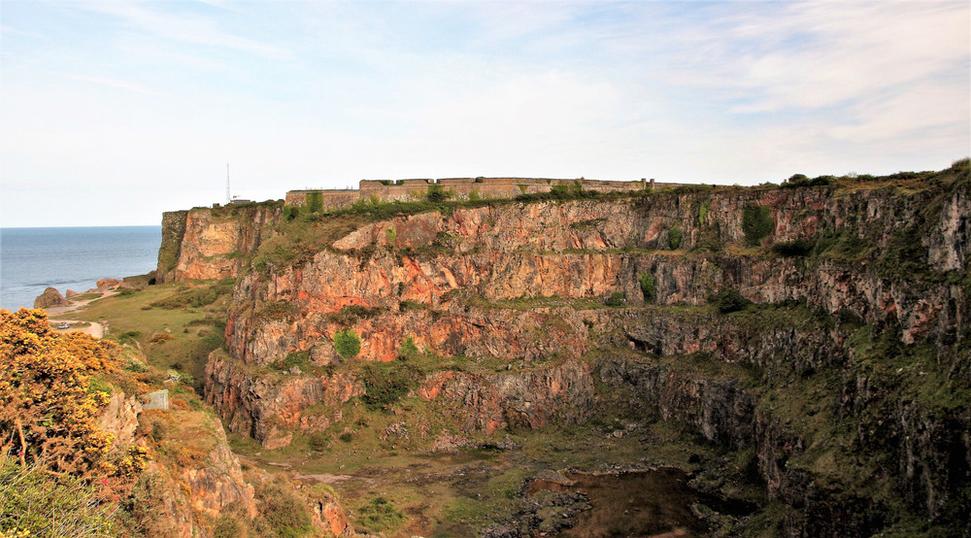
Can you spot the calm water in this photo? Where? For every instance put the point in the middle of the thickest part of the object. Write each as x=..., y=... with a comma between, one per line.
x=32, y=259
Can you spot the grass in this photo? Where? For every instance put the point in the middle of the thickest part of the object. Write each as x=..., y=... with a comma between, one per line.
x=194, y=331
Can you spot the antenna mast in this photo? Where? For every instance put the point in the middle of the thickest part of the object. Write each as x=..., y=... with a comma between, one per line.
x=228, y=197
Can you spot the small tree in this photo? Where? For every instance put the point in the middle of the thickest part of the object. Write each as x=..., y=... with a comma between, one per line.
x=347, y=343
x=757, y=223
x=647, y=286
x=675, y=236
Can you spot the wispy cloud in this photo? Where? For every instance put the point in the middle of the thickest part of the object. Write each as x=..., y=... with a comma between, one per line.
x=191, y=29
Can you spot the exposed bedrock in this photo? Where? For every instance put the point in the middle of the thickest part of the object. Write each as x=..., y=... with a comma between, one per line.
x=847, y=380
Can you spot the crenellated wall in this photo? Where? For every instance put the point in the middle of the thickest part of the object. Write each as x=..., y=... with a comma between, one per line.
x=464, y=188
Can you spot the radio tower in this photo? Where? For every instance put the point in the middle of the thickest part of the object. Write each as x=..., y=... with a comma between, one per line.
x=228, y=197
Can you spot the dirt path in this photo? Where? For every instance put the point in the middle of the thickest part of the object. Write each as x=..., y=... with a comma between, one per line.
x=75, y=305
x=92, y=328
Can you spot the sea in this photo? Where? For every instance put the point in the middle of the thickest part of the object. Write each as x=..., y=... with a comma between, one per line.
x=31, y=259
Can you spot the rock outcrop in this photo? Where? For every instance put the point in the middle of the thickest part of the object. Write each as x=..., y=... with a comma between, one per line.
x=211, y=243
x=849, y=371
x=49, y=298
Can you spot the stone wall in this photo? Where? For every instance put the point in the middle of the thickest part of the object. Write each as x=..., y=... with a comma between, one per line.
x=464, y=188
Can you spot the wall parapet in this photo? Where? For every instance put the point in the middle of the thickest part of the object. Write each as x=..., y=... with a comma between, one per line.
x=458, y=188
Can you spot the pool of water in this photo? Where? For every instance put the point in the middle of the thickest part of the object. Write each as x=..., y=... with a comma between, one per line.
x=653, y=503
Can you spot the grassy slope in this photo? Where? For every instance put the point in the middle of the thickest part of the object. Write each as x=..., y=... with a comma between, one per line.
x=194, y=331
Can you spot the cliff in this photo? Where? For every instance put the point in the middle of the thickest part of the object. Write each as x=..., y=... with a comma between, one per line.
x=211, y=243
x=823, y=328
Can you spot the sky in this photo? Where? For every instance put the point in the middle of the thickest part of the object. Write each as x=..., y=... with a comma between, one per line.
x=112, y=112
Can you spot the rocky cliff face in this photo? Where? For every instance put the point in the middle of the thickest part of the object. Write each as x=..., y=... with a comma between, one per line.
x=210, y=243
x=850, y=374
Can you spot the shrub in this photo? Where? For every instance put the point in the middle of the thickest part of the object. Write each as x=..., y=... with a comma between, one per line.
x=703, y=210
x=300, y=359
x=347, y=343
x=573, y=189
x=346, y=437
x=36, y=503
x=319, y=442
x=757, y=223
x=436, y=193
x=380, y=515
x=729, y=300
x=386, y=383
x=391, y=236
x=283, y=511
x=675, y=237
x=49, y=407
x=291, y=212
x=314, y=202
x=647, y=286
x=616, y=299
x=789, y=249
x=408, y=349
x=800, y=180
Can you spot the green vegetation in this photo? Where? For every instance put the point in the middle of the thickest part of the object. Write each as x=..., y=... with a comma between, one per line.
x=757, y=223
x=347, y=343
x=299, y=359
x=196, y=331
x=284, y=513
x=791, y=249
x=437, y=194
x=800, y=180
x=379, y=515
x=616, y=298
x=350, y=314
x=408, y=349
x=842, y=246
x=675, y=237
x=386, y=383
x=36, y=503
x=647, y=286
x=314, y=202
x=196, y=297
x=729, y=300
x=703, y=210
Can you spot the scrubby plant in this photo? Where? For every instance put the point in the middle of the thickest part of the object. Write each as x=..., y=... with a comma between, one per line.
x=757, y=223
x=436, y=193
x=647, y=286
x=573, y=189
x=314, y=202
x=616, y=299
x=675, y=236
x=291, y=212
x=729, y=300
x=391, y=236
x=408, y=349
x=380, y=515
x=347, y=343
x=790, y=249
x=48, y=410
x=386, y=383
x=318, y=442
x=37, y=503
x=283, y=511
x=703, y=210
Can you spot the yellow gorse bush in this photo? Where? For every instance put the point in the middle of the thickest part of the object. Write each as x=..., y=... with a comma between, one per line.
x=48, y=408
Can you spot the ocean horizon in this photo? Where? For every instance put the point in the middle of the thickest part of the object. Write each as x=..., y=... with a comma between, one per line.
x=71, y=257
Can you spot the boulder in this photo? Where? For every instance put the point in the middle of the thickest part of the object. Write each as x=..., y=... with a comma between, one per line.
x=50, y=297
x=108, y=283
x=71, y=293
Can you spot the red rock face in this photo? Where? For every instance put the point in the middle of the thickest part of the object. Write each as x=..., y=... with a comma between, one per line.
x=465, y=283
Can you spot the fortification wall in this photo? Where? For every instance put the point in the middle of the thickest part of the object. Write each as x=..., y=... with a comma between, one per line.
x=457, y=188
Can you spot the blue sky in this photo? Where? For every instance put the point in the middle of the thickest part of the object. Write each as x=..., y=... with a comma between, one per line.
x=111, y=112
